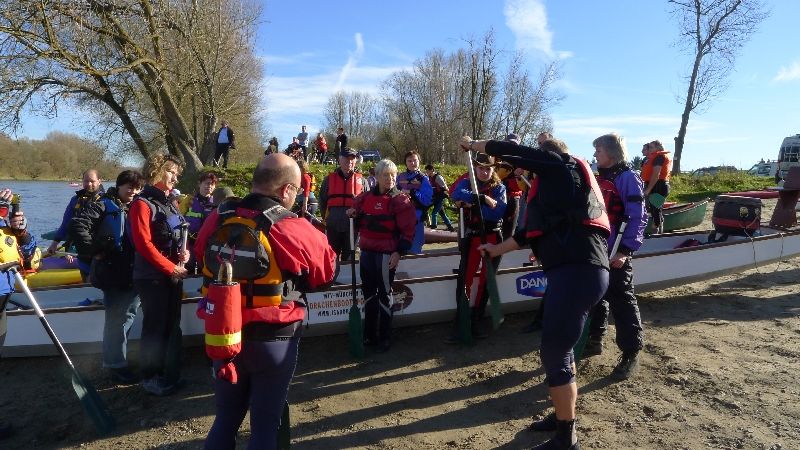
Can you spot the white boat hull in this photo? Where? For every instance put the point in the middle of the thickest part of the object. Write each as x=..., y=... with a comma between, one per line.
x=425, y=290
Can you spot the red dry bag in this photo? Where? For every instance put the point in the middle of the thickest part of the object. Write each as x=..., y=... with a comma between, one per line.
x=223, y=317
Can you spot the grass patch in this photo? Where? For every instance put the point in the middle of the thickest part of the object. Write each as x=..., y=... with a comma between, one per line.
x=686, y=188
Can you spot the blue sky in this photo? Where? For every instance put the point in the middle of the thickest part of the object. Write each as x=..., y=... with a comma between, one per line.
x=622, y=69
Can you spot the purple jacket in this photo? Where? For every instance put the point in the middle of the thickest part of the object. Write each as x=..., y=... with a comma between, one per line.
x=631, y=194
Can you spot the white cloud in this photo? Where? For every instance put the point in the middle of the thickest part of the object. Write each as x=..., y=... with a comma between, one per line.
x=791, y=73
x=352, y=61
x=527, y=19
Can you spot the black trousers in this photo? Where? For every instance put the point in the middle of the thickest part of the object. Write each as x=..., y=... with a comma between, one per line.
x=621, y=300
x=160, y=346
x=222, y=150
x=376, y=283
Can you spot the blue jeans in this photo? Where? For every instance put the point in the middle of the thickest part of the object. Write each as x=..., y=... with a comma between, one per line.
x=438, y=208
x=121, y=307
x=265, y=370
x=419, y=235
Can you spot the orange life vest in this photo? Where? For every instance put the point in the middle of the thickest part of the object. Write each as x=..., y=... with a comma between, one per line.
x=647, y=166
x=341, y=192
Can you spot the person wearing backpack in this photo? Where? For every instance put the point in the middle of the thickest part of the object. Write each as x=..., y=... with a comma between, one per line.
x=267, y=246
x=440, y=194
x=100, y=233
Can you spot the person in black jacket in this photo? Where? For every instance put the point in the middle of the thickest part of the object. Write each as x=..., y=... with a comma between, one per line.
x=100, y=233
x=226, y=140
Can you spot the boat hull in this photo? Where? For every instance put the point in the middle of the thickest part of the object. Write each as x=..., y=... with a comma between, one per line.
x=425, y=290
x=681, y=217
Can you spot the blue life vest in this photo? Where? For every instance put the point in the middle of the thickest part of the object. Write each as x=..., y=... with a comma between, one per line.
x=112, y=227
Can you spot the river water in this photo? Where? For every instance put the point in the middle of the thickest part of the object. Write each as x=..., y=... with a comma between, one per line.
x=43, y=203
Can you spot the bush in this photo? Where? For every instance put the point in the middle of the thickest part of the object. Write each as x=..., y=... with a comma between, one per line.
x=687, y=188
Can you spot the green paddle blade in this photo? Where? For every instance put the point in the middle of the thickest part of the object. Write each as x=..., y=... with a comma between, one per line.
x=355, y=331
x=93, y=405
x=284, y=431
x=581, y=345
x=494, y=294
x=656, y=200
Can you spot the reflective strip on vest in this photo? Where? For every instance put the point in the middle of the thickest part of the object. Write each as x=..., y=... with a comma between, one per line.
x=222, y=340
x=229, y=251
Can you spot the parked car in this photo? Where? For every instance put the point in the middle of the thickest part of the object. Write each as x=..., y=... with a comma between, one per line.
x=370, y=155
x=764, y=169
x=713, y=170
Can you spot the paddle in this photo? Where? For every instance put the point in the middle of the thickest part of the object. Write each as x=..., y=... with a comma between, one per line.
x=491, y=277
x=355, y=329
x=581, y=345
x=462, y=302
x=92, y=403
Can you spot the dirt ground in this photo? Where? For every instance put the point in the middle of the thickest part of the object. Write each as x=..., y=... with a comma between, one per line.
x=719, y=370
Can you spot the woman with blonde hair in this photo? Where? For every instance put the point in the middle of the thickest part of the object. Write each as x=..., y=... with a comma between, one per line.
x=158, y=271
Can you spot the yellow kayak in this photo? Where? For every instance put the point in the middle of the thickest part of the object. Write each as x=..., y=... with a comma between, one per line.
x=53, y=277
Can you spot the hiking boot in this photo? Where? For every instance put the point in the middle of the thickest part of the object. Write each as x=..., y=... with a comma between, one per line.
x=626, y=367
x=565, y=433
x=546, y=424
x=158, y=386
x=593, y=347
x=124, y=376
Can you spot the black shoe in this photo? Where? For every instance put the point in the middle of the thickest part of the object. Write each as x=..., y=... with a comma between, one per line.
x=626, y=367
x=531, y=327
x=370, y=342
x=565, y=433
x=452, y=339
x=384, y=346
x=479, y=331
x=124, y=376
x=159, y=387
x=546, y=424
x=451, y=229
x=556, y=444
x=6, y=430
x=593, y=347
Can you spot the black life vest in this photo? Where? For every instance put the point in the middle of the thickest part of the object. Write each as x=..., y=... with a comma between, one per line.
x=472, y=216
x=165, y=221
x=587, y=208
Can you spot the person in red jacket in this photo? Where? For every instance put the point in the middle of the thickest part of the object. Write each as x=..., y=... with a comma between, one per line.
x=158, y=273
x=387, y=223
x=271, y=334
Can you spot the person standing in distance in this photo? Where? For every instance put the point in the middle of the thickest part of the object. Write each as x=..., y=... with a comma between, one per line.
x=656, y=169
x=271, y=323
x=341, y=140
x=302, y=139
x=226, y=140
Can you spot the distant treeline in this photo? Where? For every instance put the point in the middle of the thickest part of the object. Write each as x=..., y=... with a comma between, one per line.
x=59, y=156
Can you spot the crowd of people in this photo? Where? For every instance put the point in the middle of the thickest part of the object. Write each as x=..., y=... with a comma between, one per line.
x=137, y=242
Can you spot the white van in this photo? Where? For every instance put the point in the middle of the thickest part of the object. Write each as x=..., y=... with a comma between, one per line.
x=764, y=169
x=789, y=155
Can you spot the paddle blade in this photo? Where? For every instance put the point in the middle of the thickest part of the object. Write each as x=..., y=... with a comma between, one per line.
x=93, y=405
x=581, y=345
x=494, y=294
x=355, y=331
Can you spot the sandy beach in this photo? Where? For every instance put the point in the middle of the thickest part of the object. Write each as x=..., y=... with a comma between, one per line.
x=719, y=370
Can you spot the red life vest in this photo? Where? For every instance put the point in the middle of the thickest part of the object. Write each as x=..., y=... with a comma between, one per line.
x=378, y=219
x=341, y=192
x=588, y=209
x=615, y=208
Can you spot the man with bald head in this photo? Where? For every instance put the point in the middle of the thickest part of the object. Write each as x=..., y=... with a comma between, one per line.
x=91, y=192
x=271, y=322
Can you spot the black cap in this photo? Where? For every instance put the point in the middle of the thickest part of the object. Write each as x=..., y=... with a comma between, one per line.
x=347, y=151
x=483, y=160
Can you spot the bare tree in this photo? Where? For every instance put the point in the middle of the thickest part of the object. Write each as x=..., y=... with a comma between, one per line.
x=714, y=31
x=135, y=58
x=355, y=111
